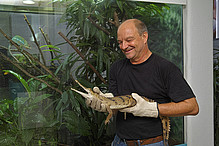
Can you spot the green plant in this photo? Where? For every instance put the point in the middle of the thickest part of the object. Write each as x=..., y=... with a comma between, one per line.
x=166, y=37
x=93, y=26
x=26, y=120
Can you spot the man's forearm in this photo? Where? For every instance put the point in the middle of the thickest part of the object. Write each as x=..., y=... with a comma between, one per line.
x=183, y=108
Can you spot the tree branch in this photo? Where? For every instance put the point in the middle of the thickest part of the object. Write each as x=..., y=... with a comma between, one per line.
x=98, y=26
x=24, y=71
x=82, y=56
x=34, y=66
x=48, y=43
x=116, y=20
x=32, y=58
x=35, y=40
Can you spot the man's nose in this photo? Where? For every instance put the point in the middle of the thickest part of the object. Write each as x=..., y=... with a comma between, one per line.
x=123, y=45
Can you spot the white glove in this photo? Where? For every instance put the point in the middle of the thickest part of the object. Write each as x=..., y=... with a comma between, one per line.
x=95, y=103
x=142, y=108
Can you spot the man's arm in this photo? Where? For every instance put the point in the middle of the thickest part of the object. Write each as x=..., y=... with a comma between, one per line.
x=144, y=108
x=183, y=108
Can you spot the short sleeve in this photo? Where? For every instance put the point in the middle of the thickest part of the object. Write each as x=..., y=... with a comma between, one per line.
x=177, y=87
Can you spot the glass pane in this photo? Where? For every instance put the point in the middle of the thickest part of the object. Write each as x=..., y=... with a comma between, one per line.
x=28, y=115
x=37, y=72
x=165, y=39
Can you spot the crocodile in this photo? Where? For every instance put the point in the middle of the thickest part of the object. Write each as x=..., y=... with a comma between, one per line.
x=113, y=104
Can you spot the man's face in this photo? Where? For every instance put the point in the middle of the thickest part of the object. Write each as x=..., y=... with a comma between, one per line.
x=131, y=43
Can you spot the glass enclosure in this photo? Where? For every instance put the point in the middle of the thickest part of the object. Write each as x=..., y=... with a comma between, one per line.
x=45, y=46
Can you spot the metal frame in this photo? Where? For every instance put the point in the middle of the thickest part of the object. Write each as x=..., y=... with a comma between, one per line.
x=178, y=2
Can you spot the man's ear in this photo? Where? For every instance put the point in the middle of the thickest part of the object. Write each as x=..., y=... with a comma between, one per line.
x=145, y=37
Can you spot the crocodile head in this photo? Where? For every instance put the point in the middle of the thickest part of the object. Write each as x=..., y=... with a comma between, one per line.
x=88, y=95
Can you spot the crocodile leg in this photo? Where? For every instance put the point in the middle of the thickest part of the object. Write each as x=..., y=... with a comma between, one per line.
x=109, y=115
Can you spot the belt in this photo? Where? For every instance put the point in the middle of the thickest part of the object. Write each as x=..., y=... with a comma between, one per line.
x=144, y=141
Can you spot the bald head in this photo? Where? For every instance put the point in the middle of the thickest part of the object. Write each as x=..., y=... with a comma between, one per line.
x=139, y=25
x=132, y=38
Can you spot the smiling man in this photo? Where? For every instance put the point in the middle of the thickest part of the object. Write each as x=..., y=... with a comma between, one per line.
x=132, y=44
x=143, y=73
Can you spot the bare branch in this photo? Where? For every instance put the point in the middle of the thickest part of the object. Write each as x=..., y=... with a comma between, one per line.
x=24, y=71
x=98, y=26
x=34, y=66
x=35, y=40
x=116, y=20
x=48, y=43
x=31, y=57
x=82, y=56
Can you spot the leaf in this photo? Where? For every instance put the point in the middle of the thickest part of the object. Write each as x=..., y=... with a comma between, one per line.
x=100, y=59
x=120, y=3
x=75, y=102
x=76, y=123
x=52, y=51
x=85, y=83
x=107, y=62
x=41, y=98
x=27, y=135
x=62, y=103
x=8, y=139
x=65, y=97
x=40, y=119
x=52, y=123
x=86, y=28
x=20, y=102
x=50, y=46
x=24, y=83
x=83, y=44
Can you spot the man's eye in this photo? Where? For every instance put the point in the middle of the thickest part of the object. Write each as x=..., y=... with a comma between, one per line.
x=129, y=40
x=119, y=42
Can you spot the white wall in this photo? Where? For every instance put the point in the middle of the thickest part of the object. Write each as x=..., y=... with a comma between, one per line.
x=198, y=59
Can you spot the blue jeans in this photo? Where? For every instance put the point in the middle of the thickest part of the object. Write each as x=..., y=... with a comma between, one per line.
x=118, y=142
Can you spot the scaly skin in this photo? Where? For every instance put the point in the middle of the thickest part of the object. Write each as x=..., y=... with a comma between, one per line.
x=121, y=102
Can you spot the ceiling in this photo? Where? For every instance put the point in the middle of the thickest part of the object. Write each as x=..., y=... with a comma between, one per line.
x=21, y=2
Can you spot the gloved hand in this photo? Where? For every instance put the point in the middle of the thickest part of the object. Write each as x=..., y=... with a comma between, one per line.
x=142, y=108
x=95, y=103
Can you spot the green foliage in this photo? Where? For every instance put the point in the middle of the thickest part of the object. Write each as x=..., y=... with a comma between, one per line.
x=24, y=83
x=25, y=119
x=93, y=26
x=166, y=37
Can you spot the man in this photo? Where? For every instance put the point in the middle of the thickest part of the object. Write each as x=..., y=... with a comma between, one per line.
x=144, y=73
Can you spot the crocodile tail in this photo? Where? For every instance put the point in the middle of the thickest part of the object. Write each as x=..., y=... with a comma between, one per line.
x=166, y=129
x=165, y=142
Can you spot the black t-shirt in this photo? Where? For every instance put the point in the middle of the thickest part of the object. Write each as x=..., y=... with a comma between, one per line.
x=157, y=79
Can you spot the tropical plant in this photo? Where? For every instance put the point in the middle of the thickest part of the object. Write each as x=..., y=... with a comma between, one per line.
x=26, y=120
x=93, y=26
x=166, y=37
